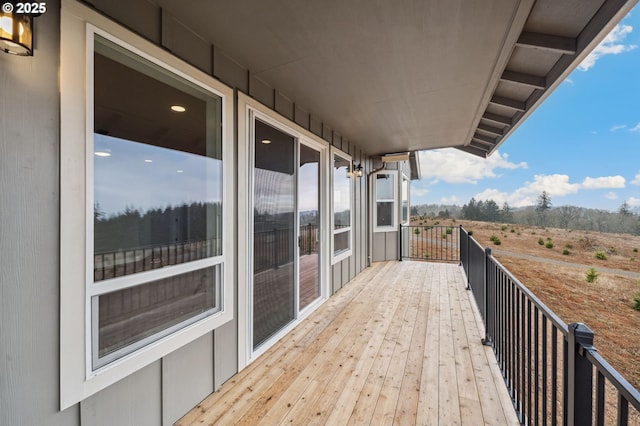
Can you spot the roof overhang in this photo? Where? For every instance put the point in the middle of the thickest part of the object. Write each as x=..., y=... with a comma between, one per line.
x=407, y=75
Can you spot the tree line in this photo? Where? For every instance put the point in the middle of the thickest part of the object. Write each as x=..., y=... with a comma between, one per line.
x=543, y=213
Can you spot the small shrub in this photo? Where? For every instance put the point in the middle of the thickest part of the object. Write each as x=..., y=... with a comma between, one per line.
x=470, y=232
x=548, y=238
x=512, y=231
x=592, y=275
x=635, y=250
x=540, y=241
x=495, y=240
x=503, y=227
x=568, y=246
x=449, y=230
x=600, y=255
x=416, y=231
x=549, y=244
x=636, y=302
x=566, y=252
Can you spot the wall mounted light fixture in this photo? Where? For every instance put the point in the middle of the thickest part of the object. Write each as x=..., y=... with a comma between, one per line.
x=357, y=170
x=16, y=32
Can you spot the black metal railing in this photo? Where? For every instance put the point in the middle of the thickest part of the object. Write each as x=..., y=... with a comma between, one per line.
x=119, y=263
x=276, y=247
x=440, y=243
x=548, y=366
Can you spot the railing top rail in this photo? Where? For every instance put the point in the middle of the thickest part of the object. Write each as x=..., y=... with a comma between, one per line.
x=625, y=388
x=555, y=319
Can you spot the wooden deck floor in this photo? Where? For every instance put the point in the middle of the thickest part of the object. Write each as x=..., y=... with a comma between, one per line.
x=400, y=344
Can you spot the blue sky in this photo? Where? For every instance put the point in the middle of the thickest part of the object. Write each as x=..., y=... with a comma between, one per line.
x=581, y=145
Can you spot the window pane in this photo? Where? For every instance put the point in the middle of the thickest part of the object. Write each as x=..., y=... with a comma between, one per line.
x=384, y=214
x=341, y=193
x=341, y=242
x=133, y=314
x=274, y=239
x=405, y=200
x=384, y=186
x=157, y=172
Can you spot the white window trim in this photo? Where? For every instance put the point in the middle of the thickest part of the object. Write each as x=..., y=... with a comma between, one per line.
x=346, y=253
x=77, y=379
x=248, y=110
x=405, y=178
x=394, y=200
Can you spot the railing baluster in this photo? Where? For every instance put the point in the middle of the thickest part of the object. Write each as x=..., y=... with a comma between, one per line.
x=623, y=411
x=600, y=395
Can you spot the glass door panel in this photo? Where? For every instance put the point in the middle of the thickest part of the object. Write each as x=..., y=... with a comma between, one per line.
x=274, y=227
x=309, y=220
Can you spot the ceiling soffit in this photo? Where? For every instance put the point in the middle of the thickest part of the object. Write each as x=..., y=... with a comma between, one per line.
x=408, y=75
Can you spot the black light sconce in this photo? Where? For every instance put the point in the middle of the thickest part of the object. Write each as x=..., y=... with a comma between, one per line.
x=357, y=170
x=16, y=32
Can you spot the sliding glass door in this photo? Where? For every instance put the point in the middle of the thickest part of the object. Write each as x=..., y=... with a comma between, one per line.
x=286, y=222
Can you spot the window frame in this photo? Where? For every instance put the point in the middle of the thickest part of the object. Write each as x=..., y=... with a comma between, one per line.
x=337, y=257
x=78, y=378
x=393, y=200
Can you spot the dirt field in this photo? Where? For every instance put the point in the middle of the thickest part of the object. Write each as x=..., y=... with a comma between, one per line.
x=559, y=280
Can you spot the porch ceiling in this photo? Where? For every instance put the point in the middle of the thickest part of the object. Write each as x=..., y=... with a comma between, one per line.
x=408, y=75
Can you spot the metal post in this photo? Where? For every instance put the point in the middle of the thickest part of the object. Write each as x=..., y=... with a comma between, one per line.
x=401, y=247
x=487, y=341
x=579, y=375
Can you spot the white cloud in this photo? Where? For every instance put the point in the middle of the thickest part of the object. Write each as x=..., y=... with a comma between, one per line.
x=603, y=182
x=635, y=129
x=617, y=127
x=569, y=81
x=634, y=202
x=455, y=166
x=556, y=185
x=636, y=180
x=611, y=45
x=611, y=196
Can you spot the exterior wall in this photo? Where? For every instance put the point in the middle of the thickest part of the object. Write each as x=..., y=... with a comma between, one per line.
x=30, y=237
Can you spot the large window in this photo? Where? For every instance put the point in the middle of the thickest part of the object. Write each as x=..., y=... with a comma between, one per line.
x=385, y=211
x=157, y=197
x=342, y=206
x=145, y=203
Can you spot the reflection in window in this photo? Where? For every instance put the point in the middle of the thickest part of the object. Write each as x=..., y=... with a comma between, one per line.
x=405, y=200
x=342, y=202
x=385, y=200
x=157, y=192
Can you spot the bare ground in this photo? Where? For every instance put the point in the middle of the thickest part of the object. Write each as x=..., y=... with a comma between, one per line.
x=559, y=280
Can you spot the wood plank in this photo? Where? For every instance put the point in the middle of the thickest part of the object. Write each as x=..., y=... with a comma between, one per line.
x=399, y=344
x=407, y=408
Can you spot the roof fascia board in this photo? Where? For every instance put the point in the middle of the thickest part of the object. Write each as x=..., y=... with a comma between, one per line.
x=520, y=15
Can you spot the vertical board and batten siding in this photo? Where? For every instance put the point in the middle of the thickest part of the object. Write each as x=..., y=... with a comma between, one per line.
x=29, y=232
x=29, y=214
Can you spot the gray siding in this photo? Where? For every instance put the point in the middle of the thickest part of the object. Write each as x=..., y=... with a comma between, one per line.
x=187, y=376
x=134, y=400
x=29, y=237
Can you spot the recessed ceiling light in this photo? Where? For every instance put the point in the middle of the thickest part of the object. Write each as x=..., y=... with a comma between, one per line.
x=178, y=108
x=148, y=161
x=102, y=154
x=179, y=171
x=265, y=141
